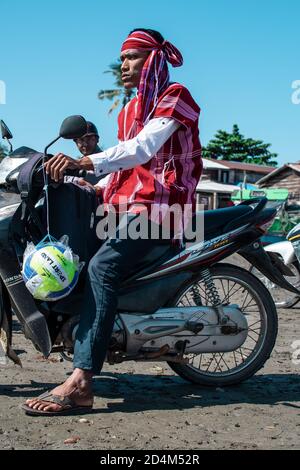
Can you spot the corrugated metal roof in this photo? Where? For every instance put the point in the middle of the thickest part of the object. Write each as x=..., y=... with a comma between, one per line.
x=247, y=167
x=213, y=165
x=293, y=166
x=208, y=186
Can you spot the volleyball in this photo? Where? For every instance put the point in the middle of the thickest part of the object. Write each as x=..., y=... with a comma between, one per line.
x=50, y=271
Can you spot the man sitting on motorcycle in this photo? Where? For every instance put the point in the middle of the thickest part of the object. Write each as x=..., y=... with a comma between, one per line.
x=157, y=163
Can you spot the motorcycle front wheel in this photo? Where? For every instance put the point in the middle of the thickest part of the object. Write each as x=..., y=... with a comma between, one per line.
x=282, y=297
x=235, y=286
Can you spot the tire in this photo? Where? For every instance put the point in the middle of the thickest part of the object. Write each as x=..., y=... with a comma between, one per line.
x=282, y=298
x=269, y=325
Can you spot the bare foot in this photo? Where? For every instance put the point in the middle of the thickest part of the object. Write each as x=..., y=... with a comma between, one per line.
x=78, y=387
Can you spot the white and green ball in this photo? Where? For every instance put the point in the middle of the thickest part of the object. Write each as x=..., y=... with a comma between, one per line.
x=48, y=273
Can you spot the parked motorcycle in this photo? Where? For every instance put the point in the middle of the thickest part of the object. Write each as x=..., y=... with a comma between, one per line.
x=215, y=324
x=14, y=159
x=285, y=254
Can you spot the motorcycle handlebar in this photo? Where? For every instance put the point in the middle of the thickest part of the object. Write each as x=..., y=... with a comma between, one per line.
x=79, y=173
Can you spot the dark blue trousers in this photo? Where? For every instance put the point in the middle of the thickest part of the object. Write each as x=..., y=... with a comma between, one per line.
x=110, y=265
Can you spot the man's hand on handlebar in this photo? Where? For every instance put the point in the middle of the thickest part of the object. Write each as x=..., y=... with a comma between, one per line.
x=57, y=165
x=83, y=182
x=97, y=189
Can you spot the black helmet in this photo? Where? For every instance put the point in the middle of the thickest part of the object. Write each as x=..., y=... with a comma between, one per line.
x=91, y=129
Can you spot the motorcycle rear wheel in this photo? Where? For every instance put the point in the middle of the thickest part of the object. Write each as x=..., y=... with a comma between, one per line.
x=235, y=286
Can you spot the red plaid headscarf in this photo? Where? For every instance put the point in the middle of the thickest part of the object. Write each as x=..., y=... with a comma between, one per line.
x=155, y=73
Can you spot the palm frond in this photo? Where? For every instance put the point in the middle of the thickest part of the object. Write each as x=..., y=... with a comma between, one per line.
x=109, y=94
x=114, y=106
x=120, y=92
x=115, y=70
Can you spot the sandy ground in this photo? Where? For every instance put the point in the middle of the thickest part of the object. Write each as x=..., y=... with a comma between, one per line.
x=145, y=406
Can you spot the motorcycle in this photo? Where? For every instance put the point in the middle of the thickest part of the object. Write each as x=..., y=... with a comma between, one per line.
x=283, y=252
x=213, y=323
x=13, y=160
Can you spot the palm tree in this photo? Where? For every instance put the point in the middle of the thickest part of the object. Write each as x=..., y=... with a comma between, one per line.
x=119, y=94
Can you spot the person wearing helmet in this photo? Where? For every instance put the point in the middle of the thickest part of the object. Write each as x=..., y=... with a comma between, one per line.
x=156, y=165
x=88, y=143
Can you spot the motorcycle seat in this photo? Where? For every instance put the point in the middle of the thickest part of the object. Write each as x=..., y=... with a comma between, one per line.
x=157, y=256
x=216, y=220
x=214, y=223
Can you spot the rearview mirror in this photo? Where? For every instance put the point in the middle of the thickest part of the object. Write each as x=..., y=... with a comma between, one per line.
x=73, y=127
x=5, y=132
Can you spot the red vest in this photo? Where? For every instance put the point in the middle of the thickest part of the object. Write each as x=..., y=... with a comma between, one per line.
x=171, y=176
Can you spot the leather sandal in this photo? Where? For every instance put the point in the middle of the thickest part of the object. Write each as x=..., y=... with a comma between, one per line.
x=68, y=406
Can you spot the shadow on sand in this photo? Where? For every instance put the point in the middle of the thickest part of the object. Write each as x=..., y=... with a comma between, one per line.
x=144, y=392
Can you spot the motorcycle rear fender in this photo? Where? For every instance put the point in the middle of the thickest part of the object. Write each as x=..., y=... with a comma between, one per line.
x=283, y=249
x=268, y=265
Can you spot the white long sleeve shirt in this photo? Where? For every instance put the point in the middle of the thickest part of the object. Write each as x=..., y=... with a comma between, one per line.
x=134, y=152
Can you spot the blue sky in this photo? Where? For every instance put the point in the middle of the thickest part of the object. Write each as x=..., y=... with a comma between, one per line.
x=240, y=59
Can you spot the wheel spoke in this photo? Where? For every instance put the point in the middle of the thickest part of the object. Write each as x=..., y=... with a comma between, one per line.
x=232, y=293
x=243, y=305
x=247, y=349
x=236, y=364
x=223, y=360
x=217, y=363
x=247, y=306
x=248, y=312
x=242, y=355
x=223, y=288
x=255, y=323
x=249, y=336
x=254, y=329
x=210, y=362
